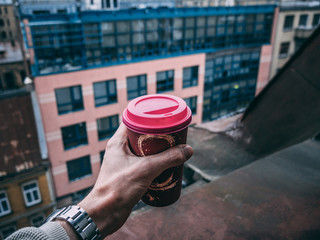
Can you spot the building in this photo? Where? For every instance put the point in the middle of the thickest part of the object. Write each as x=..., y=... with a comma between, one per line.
x=12, y=70
x=50, y=6
x=8, y=26
x=87, y=67
x=14, y=65
x=30, y=7
x=125, y=4
x=296, y=22
x=229, y=3
x=26, y=193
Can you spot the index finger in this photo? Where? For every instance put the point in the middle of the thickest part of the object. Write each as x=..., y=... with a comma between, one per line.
x=120, y=136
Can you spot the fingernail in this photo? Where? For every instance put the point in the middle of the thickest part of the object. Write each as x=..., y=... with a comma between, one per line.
x=188, y=151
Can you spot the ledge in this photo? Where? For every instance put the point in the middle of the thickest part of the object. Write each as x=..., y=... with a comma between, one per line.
x=274, y=198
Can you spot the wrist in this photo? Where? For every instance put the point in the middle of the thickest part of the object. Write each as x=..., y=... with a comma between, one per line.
x=76, y=222
x=106, y=210
x=72, y=234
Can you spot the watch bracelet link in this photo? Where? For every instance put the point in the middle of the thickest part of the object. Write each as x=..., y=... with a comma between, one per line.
x=79, y=220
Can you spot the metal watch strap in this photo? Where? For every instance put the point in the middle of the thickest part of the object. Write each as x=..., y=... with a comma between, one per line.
x=79, y=220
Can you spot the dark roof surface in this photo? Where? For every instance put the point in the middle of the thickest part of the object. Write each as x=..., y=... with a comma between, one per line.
x=273, y=198
x=19, y=148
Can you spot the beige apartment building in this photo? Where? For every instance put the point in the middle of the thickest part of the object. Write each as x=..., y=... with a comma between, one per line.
x=8, y=25
x=296, y=22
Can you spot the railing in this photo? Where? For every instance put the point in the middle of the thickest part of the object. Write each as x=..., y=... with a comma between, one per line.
x=303, y=31
x=47, y=2
x=299, y=4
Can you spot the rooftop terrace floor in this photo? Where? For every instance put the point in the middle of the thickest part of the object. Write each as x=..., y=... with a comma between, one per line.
x=276, y=197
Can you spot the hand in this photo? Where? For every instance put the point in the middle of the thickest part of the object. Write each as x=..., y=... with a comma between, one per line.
x=124, y=178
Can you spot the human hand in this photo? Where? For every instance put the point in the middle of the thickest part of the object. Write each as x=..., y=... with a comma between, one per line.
x=124, y=178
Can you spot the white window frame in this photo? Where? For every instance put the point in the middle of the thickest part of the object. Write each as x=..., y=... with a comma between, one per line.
x=25, y=192
x=3, y=213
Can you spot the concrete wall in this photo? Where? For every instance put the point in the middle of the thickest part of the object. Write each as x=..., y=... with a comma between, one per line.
x=10, y=25
x=288, y=36
x=45, y=86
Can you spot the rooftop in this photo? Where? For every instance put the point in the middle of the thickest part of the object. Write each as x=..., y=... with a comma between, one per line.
x=5, y=2
x=298, y=5
x=273, y=198
x=19, y=146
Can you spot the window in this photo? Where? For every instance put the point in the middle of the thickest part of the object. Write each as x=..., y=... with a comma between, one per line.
x=69, y=99
x=31, y=193
x=230, y=83
x=316, y=20
x=7, y=231
x=190, y=76
x=165, y=81
x=303, y=20
x=1, y=23
x=39, y=12
x=79, y=168
x=4, y=35
x=62, y=10
x=109, y=4
x=288, y=23
x=4, y=204
x=101, y=156
x=136, y=86
x=192, y=104
x=37, y=221
x=284, y=49
x=74, y=135
x=91, y=2
x=105, y=92
x=107, y=126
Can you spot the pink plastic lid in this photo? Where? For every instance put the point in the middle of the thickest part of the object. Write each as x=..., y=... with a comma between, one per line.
x=157, y=114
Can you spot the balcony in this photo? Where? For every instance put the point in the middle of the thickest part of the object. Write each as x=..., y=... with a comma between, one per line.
x=303, y=32
x=298, y=5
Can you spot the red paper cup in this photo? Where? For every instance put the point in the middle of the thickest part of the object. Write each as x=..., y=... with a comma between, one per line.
x=157, y=122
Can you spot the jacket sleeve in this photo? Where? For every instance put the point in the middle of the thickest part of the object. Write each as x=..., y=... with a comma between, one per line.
x=48, y=231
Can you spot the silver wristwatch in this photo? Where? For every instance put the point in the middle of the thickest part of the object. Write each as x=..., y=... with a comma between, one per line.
x=79, y=220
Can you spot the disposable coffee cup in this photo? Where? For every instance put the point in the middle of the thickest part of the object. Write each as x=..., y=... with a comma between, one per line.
x=155, y=123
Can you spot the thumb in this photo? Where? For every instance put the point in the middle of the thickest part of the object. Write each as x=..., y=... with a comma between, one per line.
x=172, y=157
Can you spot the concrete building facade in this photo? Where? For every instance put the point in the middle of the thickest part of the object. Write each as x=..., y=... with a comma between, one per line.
x=295, y=24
